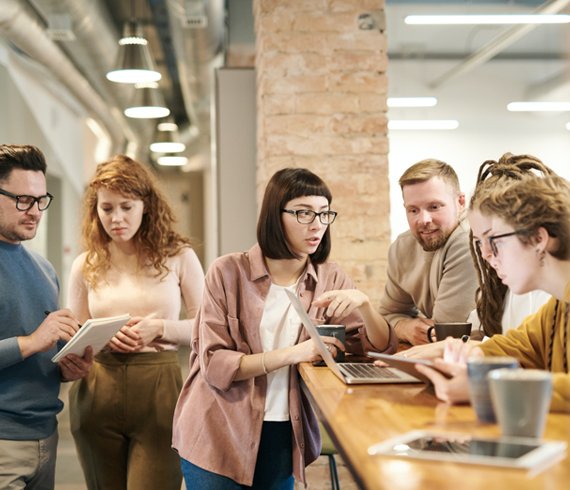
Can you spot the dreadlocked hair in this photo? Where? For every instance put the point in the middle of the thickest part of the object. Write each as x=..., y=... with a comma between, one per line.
x=491, y=293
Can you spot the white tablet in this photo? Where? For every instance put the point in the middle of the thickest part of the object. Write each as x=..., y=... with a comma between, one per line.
x=511, y=452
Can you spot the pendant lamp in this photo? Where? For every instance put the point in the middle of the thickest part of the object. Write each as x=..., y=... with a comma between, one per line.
x=167, y=139
x=134, y=63
x=147, y=102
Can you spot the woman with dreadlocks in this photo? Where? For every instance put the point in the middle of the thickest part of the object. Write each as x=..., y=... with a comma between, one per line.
x=497, y=308
x=521, y=229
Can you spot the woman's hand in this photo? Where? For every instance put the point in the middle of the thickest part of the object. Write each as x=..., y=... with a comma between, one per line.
x=341, y=303
x=458, y=352
x=137, y=333
x=451, y=390
x=308, y=351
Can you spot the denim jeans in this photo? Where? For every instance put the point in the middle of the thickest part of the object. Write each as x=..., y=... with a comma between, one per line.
x=273, y=468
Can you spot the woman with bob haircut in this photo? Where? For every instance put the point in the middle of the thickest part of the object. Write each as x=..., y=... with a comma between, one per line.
x=242, y=419
x=526, y=241
x=121, y=414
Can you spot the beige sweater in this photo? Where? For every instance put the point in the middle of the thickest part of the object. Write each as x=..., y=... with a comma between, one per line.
x=440, y=285
x=143, y=294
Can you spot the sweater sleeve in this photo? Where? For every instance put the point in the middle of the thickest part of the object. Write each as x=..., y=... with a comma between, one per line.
x=191, y=283
x=529, y=343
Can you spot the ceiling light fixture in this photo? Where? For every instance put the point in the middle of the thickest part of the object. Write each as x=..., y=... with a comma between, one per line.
x=166, y=139
x=423, y=124
x=147, y=103
x=172, y=160
x=538, y=106
x=134, y=63
x=412, y=101
x=504, y=19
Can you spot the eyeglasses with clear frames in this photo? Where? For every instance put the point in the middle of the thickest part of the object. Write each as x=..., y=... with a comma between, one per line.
x=307, y=216
x=491, y=240
x=25, y=202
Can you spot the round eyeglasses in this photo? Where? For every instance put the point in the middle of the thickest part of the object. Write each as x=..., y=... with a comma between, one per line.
x=307, y=216
x=25, y=203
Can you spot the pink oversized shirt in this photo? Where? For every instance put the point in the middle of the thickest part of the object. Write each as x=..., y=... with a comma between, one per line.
x=217, y=422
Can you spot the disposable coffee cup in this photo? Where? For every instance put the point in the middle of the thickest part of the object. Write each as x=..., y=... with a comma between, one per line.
x=440, y=331
x=338, y=331
x=521, y=399
x=479, y=392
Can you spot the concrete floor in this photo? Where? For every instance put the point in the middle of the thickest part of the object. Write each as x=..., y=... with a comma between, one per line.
x=70, y=477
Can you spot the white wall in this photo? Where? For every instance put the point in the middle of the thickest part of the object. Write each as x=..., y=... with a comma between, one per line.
x=37, y=111
x=478, y=101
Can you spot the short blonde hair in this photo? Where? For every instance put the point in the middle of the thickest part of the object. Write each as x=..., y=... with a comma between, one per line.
x=428, y=169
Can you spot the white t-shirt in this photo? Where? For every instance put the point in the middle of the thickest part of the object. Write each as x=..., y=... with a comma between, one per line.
x=517, y=308
x=279, y=328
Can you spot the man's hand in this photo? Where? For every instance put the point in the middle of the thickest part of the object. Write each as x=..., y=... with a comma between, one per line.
x=413, y=330
x=74, y=367
x=59, y=325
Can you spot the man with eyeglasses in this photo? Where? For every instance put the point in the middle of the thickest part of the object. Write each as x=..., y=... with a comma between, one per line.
x=29, y=334
x=431, y=277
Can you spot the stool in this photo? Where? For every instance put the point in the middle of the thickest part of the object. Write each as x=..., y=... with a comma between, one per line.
x=329, y=450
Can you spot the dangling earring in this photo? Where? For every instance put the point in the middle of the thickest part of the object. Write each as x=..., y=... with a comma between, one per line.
x=541, y=255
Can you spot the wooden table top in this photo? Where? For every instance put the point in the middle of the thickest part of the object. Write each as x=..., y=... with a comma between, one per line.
x=358, y=416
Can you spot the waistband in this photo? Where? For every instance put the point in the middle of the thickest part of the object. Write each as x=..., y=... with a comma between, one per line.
x=121, y=359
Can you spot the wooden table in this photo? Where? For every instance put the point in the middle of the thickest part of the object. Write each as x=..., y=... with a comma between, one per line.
x=359, y=416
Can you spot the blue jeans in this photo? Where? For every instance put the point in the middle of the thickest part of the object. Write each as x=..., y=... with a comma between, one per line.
x=273, y=468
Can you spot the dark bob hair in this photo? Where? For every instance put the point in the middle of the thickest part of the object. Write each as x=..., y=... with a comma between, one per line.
x=285, y=185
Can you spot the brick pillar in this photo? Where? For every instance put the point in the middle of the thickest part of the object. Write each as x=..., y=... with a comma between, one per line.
x=321, y=104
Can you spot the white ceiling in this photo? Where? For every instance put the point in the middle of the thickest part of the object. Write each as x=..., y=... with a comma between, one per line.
x=432, y=60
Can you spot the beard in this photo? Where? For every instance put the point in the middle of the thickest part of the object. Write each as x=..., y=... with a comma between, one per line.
x=13, y=235
x=435, y=241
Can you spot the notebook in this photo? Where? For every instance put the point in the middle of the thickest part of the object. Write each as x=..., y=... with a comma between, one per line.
x=347, y=372
x=95, y=332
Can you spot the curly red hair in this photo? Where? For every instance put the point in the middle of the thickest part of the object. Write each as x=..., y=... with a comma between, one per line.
x=155, y=240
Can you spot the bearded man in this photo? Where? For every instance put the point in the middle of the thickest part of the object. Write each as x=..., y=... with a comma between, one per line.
x=431, y=276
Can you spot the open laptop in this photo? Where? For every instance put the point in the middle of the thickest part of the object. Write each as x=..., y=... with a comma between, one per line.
x=349, y=372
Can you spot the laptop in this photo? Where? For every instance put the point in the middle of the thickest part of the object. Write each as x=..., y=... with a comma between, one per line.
x=349, y=372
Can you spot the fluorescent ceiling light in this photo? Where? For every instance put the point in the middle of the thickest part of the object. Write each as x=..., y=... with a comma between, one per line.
x=172, y=160
x=421, y=124
x=539, y=106
x=487, y=19
x=412, y=101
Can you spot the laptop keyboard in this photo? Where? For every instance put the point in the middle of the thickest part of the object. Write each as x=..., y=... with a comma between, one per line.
x=364, y=370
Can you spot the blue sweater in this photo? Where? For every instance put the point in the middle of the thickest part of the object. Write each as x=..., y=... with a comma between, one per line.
x=29, y=388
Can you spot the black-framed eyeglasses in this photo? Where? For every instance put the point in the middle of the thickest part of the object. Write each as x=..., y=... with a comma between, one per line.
x=25, y=203
x=307, y=216
x=491, y=240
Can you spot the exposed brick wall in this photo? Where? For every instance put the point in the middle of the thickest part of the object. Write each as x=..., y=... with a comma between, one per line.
x=321, y=98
